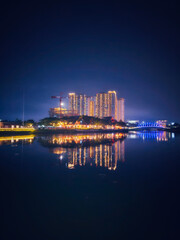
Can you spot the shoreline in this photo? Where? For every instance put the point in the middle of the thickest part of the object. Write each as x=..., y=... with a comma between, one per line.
x=13, y=133
x=78, y=131
x=41, y=132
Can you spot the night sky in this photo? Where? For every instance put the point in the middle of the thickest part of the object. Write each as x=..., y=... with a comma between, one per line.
x=89, y=47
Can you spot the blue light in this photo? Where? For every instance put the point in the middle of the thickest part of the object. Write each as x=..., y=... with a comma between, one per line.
x=149, y=125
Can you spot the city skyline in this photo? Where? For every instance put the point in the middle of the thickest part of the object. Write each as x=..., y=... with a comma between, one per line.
x=101, y=105
x=130, y=47
x=90, y=119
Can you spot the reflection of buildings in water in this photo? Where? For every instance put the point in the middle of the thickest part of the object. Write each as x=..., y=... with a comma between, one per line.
x=81, y=138
x=58, y=150
x=158, y=135
x=80, y=156
x=103, y=155
x=16, y=139
x=103, y=150
x=121, y=150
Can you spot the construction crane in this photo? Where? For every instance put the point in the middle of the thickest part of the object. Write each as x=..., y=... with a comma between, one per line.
x=60, y=97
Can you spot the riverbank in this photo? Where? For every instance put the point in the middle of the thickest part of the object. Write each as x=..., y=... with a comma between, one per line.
x=74, y=131
x=39, y=132
x=16, y=131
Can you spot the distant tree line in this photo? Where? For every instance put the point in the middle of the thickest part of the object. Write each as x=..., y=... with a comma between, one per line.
x=19, y=122
x=86, y=120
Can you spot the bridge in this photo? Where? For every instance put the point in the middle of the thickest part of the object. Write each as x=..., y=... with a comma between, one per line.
x=149, y=126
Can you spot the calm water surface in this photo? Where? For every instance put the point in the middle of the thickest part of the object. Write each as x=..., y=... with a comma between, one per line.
x=97, y=186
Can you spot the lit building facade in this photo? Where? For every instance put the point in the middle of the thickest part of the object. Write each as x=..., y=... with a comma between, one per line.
x=55, y=112
x=73, y=103
x=101, y=105
x=90, y=106
x=112, y=104
x=77, y=103
x=162, y=123
x=120, y=109
x=81, y=104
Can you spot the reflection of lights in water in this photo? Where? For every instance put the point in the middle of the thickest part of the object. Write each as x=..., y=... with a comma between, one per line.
x=58, y=150
x=15, y=139
x=80, y=151
x=84, y=156
x=101, y=150
x=158, y=136
x=133, y=136
x=80, y=138
x=106, y=156
x=99, y=153
x=70, y=166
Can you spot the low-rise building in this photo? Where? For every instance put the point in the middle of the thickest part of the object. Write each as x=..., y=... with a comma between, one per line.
x=55, y=112
x=9, y=125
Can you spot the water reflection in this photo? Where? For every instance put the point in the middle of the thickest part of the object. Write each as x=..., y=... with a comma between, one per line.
x=12, y=140
x=99, y=150
x=103, y=155
x=80, y=139
x=103, y=150
x=147, y=135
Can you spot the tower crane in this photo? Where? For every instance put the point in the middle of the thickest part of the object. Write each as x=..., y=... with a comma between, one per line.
x=60, y=97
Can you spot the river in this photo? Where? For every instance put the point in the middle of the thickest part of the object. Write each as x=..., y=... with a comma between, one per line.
x=90, y=186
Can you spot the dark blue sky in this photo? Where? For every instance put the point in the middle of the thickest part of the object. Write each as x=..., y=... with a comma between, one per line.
x=89, y=47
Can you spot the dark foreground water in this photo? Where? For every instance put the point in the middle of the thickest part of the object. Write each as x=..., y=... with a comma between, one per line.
x=101, y=186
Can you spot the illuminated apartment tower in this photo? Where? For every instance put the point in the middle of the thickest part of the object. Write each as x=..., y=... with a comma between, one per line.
x=90, y=106
x=72, y=103
x=77, y=103
x=120, y=111
x=101, y=105
x=112, y=104
x=81, y=104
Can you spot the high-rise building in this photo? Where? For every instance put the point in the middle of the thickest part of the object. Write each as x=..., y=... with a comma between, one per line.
x=72, y=103
x=90, y=106
x=101, y=105
x=120, y=109
x=81, y=104
x=91, y=109
x=112, y=104
x=77, y=103
x=88, y=99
